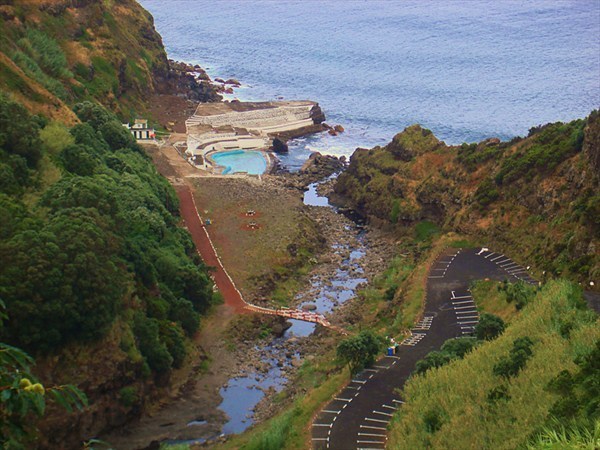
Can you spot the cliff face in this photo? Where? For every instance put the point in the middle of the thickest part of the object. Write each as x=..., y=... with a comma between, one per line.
x=54, y=53
x=537, y=197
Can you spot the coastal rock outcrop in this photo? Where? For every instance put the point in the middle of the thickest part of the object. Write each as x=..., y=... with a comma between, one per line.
x=511, y=194
x=279, y=146
x=321, y=166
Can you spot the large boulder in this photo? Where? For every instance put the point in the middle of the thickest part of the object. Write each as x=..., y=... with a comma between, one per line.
x=279, y=146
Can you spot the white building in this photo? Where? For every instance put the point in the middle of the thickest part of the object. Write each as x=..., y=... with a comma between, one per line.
x=140, y=130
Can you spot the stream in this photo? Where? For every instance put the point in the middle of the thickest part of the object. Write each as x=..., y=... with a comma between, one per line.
x=242, y=394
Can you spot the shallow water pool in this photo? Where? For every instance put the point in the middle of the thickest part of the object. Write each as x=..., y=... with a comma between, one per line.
x=248, y=161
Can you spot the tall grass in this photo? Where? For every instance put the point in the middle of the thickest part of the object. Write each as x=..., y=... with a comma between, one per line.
x=561, y=438
x=456, y=395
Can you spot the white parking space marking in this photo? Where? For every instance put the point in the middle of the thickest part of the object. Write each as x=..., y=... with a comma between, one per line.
x=343, y=399
x=373, y=428
x=322, y=425
x=389, y=407
x=490, y=255
x=331, y=411
x=463, y=307
x=458, y=313
x=397, y=401
x=497, y=257
x=376, y=420
x=359, y=381
x=372, y=435
x=382, y=413
x=463, y=302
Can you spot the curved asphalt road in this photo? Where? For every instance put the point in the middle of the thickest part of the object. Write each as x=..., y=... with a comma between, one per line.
x=358, y=416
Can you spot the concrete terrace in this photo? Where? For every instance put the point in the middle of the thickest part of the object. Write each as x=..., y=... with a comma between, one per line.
x=217, y=127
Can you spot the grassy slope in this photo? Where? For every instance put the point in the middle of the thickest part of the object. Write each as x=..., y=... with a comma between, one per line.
x=457, y=393
x=322, y=376
x=52, y=53
x=535, y=196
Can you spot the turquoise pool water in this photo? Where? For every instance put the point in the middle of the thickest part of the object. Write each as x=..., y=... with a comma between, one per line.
x=249, y=161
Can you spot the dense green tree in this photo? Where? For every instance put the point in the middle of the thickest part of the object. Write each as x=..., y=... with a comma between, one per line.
x=106, y=233
x=182, y=312
x=93, y=113
x=360, y=351
x=154, y=351
x=117, y=136
x=78, y=159
x=85, y=134
x=55, y=137
x=59, y=281
x=19, y=134
x=489, y=327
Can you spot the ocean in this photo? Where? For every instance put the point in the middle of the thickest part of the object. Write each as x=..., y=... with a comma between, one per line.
x=467, y=70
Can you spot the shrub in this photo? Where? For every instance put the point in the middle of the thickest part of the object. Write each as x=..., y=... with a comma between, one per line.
x=359, y=351
x=128, y=396
x=155, y=352
x=489, y=327
x=511, y=365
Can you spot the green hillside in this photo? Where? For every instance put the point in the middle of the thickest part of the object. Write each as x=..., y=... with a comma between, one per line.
x=99, y=281
x=537, y=195
x=501, y=398
x=55, y=53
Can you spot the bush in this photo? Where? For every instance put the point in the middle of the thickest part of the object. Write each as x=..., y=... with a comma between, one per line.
x=78, y=160
x=360, y=351
x=489, y=327
x=128, y=396
x=486, y=193
x=117, y=136
x=512, y=364
x=155, y=352
x=451, y=349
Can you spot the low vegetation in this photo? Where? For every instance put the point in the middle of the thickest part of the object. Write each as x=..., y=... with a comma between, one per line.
x=537, y=195
x=512, y=391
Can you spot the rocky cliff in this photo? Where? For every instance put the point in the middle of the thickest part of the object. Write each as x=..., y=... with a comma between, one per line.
x=536, y=196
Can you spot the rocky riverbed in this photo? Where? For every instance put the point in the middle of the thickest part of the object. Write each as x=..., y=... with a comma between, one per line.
x=250, y=358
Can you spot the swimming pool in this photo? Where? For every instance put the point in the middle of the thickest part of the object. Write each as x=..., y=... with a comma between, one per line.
x=249, y=161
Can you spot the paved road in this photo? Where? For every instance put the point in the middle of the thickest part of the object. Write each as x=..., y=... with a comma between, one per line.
x=358, y=416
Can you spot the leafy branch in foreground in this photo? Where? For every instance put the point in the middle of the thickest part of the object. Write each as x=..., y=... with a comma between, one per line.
x=22, y=396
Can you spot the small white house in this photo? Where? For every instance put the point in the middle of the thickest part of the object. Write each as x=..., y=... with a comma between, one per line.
x=140, y=130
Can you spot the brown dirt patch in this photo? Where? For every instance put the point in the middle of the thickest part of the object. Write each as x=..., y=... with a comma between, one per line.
x=166, y=109
x=247, y=255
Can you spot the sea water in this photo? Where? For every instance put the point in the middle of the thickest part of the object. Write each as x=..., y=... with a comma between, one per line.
x=467, y=70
